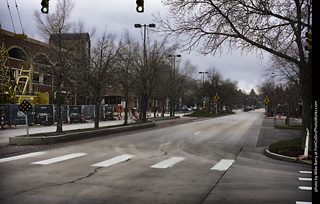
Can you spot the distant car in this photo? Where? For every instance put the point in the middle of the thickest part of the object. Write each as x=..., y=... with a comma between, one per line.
x=186, y=109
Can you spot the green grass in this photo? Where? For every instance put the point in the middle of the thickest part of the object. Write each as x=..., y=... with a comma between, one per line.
x=291, y=127
x=286, y=143
x=209, y=114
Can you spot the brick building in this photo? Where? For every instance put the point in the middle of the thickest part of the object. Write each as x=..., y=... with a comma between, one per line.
x=42, y=58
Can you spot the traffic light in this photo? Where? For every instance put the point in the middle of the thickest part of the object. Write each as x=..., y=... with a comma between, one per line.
x=140, y=6
x=309, y=40
x=45, y=6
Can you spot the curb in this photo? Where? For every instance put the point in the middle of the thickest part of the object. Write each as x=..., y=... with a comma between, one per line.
x=37, y=139
x=163, y=118
x=270, y=154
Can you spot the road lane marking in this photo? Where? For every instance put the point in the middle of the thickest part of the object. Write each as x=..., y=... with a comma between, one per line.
x=305, y=179
x=305, y=172
x=34, y=154
x=114, y=160
x=308, y=188
x=167, y=163
x=213, y=127
x=59, y=159
x=223, y=165
x=303, y=202
x=165, y=144
x=197, y=133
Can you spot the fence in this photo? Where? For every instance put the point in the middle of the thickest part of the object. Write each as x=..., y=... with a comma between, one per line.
x=47, y=114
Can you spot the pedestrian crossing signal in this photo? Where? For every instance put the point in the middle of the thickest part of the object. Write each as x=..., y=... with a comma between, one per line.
x=25, y=106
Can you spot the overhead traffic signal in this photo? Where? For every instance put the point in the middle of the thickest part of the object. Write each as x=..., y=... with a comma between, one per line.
x=309, y=40
x=140, y=6
x=45, y=6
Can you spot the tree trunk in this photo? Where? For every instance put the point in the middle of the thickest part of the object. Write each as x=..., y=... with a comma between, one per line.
x=126, y=109
x=96, y=115
x=163, y=107
x=59, y=119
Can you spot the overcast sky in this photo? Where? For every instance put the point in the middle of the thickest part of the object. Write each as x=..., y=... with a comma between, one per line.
x=121, y=15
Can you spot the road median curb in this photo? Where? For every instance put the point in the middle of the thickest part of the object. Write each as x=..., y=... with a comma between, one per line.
x=270, y=154
x=44, y=139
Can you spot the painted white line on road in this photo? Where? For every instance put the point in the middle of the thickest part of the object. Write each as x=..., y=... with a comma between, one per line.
x=22, y=156
x=305, y=179
x=197, y=133
x=308, y=188
x=114, y=160
x=305, y=172
x=223, y=165
x=165, y=144
x=59, y=159
x=303, y=202
x=213, y=127
x=167, y=163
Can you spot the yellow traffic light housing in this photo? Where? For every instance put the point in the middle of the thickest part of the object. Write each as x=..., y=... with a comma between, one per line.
x=309, y=40
x=140, y=6
x=45, y=6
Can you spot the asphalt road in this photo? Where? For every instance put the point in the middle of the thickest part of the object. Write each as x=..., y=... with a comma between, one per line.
x=204, y=161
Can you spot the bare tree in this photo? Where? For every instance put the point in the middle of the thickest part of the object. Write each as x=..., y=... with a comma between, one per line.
x=126, y=68
x=101, y=70
x=147, y=72
x=257, y=25
x=54, y=26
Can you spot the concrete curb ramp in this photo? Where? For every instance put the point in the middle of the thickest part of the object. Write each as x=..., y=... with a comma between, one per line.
x=268, y=153
x=37, y=139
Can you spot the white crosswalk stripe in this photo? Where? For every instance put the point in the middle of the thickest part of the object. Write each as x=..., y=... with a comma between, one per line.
x=167, y=163
x=305, y=179
x=23, y=156
x=305, y=172
x=223, y=165
x=59, y=159
x=114, y=160
x=308, y=188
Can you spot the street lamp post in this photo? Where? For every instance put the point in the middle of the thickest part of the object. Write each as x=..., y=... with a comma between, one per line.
x=152, y=25
x=203, y=79
x=174, y=78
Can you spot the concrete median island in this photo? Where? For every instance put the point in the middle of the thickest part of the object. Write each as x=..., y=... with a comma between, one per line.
x=66, y=136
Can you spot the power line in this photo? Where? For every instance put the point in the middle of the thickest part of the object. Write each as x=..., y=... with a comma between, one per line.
x=11, y=17
x=19, y=16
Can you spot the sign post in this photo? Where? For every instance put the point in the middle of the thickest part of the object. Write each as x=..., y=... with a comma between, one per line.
x=216, y=98
x=25, y=106
x=266, y=101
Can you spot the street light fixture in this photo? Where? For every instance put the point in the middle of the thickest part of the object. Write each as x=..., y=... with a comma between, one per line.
x=203, y=78
x=152, y=25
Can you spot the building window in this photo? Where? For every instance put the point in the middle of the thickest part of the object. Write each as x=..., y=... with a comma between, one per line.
x=17, y=53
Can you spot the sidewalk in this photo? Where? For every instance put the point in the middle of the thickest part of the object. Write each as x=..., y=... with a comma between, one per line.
x=269, y=134
x=21, y=129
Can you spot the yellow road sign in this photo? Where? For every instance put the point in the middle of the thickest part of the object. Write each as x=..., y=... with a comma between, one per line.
x=25, y=106
x=266, y=100
x=216, y=97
